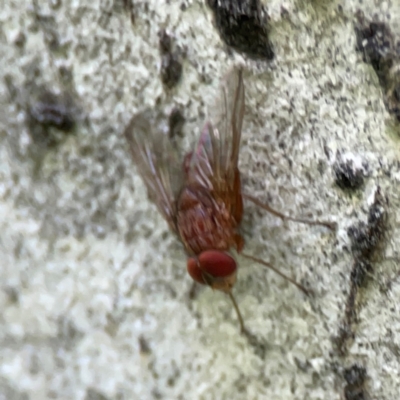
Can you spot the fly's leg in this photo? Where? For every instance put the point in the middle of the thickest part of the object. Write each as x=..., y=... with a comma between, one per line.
x=238, y=313
x=328, y=224
x=270, y=266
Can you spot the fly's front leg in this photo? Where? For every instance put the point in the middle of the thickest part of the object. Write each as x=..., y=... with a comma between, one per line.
x=328, y=224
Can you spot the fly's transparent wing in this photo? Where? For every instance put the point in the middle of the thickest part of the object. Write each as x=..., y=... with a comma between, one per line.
x=214, y=162
x=157, y=161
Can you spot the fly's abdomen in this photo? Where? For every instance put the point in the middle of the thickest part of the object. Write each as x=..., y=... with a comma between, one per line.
x=204, y=223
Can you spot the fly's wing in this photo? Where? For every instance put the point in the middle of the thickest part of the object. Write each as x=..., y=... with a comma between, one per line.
x=157, y=162
x=214, y=162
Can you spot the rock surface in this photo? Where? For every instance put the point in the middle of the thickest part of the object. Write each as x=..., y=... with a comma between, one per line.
x=95, y=302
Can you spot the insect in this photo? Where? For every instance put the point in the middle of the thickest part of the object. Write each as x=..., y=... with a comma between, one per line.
x=201, y=198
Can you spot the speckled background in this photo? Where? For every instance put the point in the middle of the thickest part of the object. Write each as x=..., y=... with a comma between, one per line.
x=94, y=296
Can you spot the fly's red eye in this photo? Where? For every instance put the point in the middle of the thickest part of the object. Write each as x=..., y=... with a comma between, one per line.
x=194, y=271
x=211, y=265
x=217, y=263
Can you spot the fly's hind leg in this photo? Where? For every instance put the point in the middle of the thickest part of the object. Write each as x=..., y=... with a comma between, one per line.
x=328, y=224
x=270, y=266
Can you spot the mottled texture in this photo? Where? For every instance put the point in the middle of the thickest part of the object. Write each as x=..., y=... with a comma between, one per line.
x=95, y=301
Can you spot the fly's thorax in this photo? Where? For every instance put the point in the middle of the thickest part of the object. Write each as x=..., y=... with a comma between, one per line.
x=204, y=222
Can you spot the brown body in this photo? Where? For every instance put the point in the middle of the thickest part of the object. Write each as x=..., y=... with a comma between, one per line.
x=205, y=222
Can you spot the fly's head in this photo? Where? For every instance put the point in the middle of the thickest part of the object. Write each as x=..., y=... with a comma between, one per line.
x=214, y=268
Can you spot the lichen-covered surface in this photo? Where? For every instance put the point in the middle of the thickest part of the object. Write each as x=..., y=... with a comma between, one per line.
x=94, y=297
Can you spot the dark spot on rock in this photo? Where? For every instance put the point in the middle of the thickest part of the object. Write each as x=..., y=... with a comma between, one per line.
x=243, y=25
x=347, y=175
x=359, y=272
x=171, y=65
x=345, y=335
x=11, y=87
x=176, y=121
x=367, y=239
x=156, y=394
x=360, y=237
x=20, y=40
x=12, y=294
x=66, y=75
x=355, y=378
x=144, y=346
x=92, y=394
x=381, y=49
x=165, y=42
x=50, y=117
x=375, y=41
x=171, y=70
x=355, y=375
x=49, y=110
x=129, y=8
